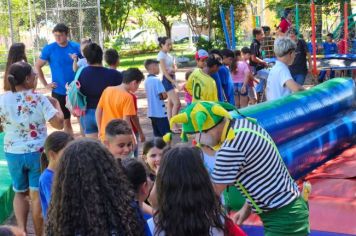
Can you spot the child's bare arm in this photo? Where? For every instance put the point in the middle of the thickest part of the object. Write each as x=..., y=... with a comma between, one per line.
x=98, y=117
x=136, y=123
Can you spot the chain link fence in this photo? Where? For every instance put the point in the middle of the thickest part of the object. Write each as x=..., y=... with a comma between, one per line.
x=32, y=21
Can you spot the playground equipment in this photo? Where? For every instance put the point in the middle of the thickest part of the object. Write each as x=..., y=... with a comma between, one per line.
x=231, y=44
x=308, y=127
x=311, y=126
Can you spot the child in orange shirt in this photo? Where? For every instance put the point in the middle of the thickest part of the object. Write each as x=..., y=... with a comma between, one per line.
x=117, y=102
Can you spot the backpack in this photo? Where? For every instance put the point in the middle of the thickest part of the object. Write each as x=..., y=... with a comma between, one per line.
x=76, y=102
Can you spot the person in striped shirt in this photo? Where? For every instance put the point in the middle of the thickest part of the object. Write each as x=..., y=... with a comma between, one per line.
x=248, y=158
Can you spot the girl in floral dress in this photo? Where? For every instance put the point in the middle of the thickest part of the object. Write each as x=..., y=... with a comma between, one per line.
x=23, y=117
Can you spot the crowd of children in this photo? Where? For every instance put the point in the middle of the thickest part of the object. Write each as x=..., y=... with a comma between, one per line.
x=94, y=185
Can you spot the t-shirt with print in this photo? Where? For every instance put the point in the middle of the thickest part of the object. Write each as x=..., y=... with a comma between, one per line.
x=61, y=63
x=116, y=103
x=155, y=106
x=299, y=65
x=243, y=71
x=45, y=186
x=227, y=84
x=252, y=160
x=23, y=117
x=201, y=86
x=93, y=80
x=168, y=60
x=256, y=50
x=276, y=81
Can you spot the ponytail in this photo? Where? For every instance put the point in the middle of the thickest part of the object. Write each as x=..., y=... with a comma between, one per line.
x=12, y=82
x=18, y=73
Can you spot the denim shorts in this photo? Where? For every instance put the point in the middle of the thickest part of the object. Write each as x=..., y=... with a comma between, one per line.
x=237, y=89
x=88, y=122
x=168, y=86
x=25, y=170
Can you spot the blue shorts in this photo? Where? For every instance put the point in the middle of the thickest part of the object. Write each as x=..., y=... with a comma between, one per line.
x=237, y=89
x=168, y=86
x=88, y=122
x=160, y=126
x=25, y=170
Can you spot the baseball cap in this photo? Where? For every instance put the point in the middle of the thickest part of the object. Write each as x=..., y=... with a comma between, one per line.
x=201, y=54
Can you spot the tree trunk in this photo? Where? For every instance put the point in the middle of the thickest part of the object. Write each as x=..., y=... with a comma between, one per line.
x=319, y=22
x=166, y=24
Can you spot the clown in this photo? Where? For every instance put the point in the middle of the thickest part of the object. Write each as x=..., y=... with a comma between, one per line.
x=248, y=158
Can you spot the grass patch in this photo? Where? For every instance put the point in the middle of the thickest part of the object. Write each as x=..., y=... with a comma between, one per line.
x=138, y=60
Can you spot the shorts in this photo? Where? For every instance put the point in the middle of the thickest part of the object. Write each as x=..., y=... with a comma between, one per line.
x=168, y=86
x=237, y=89
x=62, y=102
x=25, y=170
x=261, y=85
x=88, y=122
x=292, y=219
x=160, y=126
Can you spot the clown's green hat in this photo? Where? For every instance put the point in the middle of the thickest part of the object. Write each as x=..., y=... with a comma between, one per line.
x=201, y=116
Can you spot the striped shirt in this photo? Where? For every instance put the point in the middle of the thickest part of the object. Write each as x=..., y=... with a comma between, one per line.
x=252, y=160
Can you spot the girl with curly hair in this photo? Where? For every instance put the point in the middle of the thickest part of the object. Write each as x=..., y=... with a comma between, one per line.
x=187, y=204
x=91, y=194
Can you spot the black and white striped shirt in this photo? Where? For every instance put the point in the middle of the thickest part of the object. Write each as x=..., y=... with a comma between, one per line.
x=252, y=159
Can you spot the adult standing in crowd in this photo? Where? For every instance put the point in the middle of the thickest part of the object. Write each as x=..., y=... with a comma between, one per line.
x=23, y=117
x=58, y=55
x=93, y=80
x=280, y=82
x=168, y=68
x=286, y=22
x=17, y=52
x=299, y=69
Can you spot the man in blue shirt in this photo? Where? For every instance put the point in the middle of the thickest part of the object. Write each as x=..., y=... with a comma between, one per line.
x=329, y=48
x=58, y=55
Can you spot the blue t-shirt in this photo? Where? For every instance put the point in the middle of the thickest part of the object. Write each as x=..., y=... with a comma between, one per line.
x=61, y=63
x=216, y=77
x=155, y=106
x=45, y=185
x=93, y=80
x=227, y=84
x=329, y=48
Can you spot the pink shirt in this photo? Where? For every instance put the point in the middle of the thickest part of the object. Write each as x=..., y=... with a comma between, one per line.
x=242, y=71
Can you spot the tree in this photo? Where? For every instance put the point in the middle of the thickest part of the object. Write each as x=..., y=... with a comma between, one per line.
x=165, y=11
x=206, y=14
x=114, y=15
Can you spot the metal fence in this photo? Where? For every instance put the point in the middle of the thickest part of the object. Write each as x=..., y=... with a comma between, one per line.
x=32, y=21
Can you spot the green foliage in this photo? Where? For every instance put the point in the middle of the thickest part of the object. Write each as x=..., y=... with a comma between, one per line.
x=114, y=14
x=210, y=44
